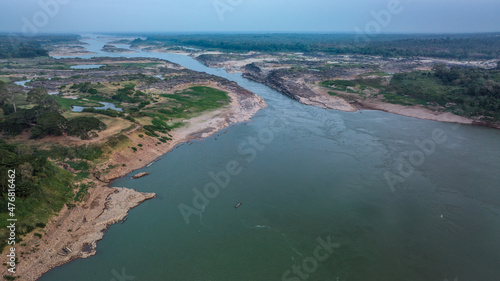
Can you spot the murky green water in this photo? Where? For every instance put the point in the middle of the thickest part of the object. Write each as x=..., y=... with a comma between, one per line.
x=306, y=174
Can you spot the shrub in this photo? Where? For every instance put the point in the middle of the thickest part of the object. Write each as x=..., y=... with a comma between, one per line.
x=84, y=127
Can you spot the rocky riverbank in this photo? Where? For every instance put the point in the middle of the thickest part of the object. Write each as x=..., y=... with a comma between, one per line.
x=75, y=231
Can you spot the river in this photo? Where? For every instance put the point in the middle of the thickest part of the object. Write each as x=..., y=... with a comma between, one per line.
x=307, y=177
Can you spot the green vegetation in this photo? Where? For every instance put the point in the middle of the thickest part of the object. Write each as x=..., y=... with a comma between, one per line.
x=42, y=188
x=477, y=46
x=470, y=92
x=99, y=97
x=79, y=165
x=50, y=123
x=108, y=112
x=376, y=73
x=339, y=84
x=115, y=141
x=194, y=100
x=128, y=94
x=20, y=46
x=464, y=91
x=63, y=153
x=84, y=127
x=44, y=119
x=7, y=79
x=402, y=99
x=68, y=103
x=354, y=86
x=181, y=104
x=84, y=88
x=82, y=192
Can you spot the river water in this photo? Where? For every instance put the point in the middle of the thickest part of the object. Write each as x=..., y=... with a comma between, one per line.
x=308, y=177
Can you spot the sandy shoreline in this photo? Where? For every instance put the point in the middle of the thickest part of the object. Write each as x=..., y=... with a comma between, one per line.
x=315, y=95
x=74, y=233
x=416, y=111
x=310, y=93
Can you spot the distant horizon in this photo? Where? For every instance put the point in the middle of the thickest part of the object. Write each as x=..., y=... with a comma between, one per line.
x=244, y=16
x=241, y=32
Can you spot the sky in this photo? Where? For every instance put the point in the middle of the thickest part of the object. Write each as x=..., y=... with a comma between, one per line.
x=352, y=16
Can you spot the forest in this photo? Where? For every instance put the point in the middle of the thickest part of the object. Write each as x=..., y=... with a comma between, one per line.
x=18, y=46
x=469, y=92
x=42, y=187
x=452, y=46
x=464, y=91
x=44, y=118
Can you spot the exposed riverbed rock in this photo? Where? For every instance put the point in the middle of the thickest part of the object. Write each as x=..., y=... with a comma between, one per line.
x=140, y=175
x=74, y=233
x=295, y=87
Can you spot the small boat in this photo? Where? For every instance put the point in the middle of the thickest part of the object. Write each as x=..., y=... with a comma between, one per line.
x=237, y=205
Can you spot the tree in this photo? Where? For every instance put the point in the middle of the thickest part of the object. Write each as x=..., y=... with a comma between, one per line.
x=36, y=94
x=9, y=92
x=15, y=123
x=41, y=97
x=84, y=127
x=440, y=71
x=51, y=123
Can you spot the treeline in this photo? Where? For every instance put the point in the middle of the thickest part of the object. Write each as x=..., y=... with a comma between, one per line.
x=465, y=91
x=21, y=50
x=18, y=46
x=43, y=119
x=41, y=187
x=474, y=46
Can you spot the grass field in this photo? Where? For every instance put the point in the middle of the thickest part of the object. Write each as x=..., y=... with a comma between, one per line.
x=192, y=101
x=68, y=103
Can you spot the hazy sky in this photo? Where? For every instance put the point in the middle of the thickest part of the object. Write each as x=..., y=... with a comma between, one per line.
x=249, y=15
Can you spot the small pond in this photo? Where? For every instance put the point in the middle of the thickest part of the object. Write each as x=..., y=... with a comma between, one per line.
x=106, y=105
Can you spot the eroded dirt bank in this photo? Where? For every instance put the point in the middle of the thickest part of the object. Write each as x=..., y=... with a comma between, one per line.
x=74, y=232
